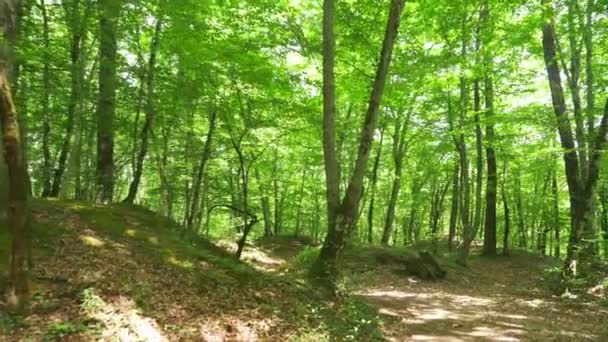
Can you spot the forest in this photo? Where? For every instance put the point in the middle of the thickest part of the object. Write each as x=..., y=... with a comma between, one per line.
x=304, y=170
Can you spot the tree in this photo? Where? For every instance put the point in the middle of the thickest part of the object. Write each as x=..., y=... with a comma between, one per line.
x=150, y=113
x=581, y=190
x=342, y=214
x=18, y=218
x=109, y=11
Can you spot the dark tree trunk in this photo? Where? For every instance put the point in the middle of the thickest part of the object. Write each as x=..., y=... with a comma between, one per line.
x=109, y=11
x=12, y=140
x=571, y=161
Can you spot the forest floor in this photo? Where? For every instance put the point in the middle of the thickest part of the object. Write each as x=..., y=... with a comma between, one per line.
x=500, y=299
x=493, y=299
x=125, y=274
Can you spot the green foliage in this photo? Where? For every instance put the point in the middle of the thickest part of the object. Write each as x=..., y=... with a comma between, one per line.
x=91, y=301
x=10, y=322
x=61, y=330
x=306, y=257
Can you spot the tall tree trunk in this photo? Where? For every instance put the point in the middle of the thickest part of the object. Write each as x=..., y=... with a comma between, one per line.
x=109, y=11
x=17, y=211
x=478, y=148
x=195, y=210
x=150, y=113
x=78, y=34
x=589, y=79
x=47, y=161
x=342, y=214
x=571, y=162
x=465, y=188
x=573, y=82
x=489, y=236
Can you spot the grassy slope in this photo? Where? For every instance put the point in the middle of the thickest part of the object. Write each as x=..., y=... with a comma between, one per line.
x=107, y=272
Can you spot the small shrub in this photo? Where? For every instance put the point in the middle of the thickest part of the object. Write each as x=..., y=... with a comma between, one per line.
x=60, y=330
x=306, y=258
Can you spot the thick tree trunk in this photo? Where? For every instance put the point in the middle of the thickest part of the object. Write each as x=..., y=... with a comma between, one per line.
x=571, y=161
x=109, y=11
x=12, y=140
x=150, y=114
x=342, y=215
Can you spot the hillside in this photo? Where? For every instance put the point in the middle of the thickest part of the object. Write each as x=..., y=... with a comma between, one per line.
x=107, y=273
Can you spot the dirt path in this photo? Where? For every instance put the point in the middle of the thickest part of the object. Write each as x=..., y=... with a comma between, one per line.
x=496, y=300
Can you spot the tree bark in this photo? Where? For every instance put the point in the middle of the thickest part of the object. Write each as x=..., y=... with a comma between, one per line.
x=571, y=161
x=150, y=114
x=109, y=11
x=489, y=236
x=12, y=140
x=342, y=215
